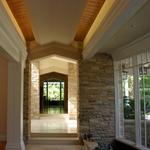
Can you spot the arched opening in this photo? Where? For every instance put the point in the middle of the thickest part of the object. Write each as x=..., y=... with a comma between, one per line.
x=53, y=93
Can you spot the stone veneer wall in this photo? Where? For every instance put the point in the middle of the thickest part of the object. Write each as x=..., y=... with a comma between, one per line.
x=27, y=99
x=35, y=91
x=72, y=90
x=97, y=101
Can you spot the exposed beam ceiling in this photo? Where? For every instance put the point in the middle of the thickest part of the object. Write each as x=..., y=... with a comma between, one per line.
x=55, y=20
x=115, y=24
x=21, y=14
x=90, y=12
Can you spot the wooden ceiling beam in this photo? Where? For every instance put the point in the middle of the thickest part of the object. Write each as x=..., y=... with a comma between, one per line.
x=21, y=15
x=90, y=12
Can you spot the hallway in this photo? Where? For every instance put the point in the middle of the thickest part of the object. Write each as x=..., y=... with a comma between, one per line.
x=74, y=72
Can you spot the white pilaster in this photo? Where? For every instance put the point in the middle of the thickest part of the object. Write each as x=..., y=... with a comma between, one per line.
x=15, y=107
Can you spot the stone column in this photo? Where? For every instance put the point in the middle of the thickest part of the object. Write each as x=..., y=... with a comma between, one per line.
x=35, y=91
x=27, y=99
x=72, y=90
x=97, y=100
x=15, y=107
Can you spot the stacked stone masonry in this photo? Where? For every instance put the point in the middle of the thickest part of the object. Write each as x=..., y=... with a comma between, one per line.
x=27, y=100
x=35, y=95
x=72, y=90
x=97, y=101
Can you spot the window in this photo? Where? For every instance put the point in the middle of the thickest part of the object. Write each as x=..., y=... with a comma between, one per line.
x=132, y=81
x=128, y=103
x=144, y=79
x=53, y=90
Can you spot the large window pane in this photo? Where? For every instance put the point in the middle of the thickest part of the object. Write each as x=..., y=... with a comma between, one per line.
x=144, y=78
x=45, y=89
x=53, y=91
x=126, y=88
x=129, y=104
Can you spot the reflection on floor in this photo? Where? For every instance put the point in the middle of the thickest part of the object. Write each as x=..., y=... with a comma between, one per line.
x=54, y=123
x=60, y=147
x=53, y=110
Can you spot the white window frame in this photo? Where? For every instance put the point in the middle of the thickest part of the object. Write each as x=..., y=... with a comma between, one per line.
x=118, y=99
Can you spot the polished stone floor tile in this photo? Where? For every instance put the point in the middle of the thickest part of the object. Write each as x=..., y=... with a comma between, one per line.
x=53, y=124
x=54, y=147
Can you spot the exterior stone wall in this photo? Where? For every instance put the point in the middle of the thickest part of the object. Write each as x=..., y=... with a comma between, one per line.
x=27, y=99
x=35, y=91
x=72, y=90
x=97, y=101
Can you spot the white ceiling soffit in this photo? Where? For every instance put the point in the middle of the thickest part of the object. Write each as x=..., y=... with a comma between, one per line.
x=59, y=58
x=68, y=60
x=53, y=65
x=12, y=42
x=138, y=26
x=138, y=46
x=118, y=15
x=54, y=69
x=55, y=20
x=49, y=62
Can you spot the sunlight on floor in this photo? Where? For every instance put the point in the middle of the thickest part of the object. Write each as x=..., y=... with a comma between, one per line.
x=54, y=124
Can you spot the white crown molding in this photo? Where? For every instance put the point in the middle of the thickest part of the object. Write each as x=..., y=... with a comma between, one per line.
x=120, y=13
x=16, y=146
x=10, y=38
x=137, y=46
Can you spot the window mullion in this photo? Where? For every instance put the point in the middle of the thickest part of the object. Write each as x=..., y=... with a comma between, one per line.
x=118, y=101
x=145, y=126
x=117, y=110
x=137, y=102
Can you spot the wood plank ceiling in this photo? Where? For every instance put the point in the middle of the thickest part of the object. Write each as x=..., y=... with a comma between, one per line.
x=90, y=12
x=21, y=15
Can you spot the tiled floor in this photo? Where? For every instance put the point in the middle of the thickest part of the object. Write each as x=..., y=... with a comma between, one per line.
x=53, y=123
x=60, y=147
x=53, y=110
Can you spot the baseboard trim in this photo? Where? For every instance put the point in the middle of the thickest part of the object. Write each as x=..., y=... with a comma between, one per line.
x=15, y=146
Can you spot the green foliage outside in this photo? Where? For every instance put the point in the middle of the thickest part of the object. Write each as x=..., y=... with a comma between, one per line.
x=53, y=91
x=129, y=102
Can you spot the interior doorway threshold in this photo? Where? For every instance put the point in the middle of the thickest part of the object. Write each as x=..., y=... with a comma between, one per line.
x=54, y=141
x=54, y=135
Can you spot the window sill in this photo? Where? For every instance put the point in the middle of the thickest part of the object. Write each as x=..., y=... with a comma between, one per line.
x=132, y=144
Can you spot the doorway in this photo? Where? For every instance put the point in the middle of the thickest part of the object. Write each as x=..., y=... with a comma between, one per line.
x=53, y=93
